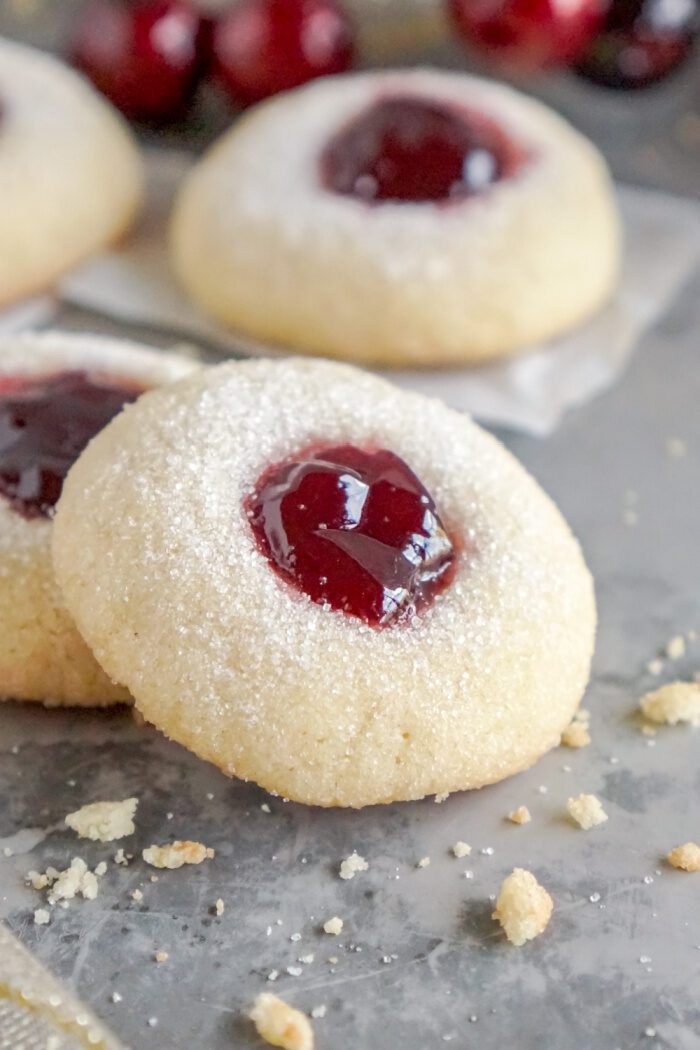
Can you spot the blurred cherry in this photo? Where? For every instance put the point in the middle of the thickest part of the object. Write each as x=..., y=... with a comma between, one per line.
x=641, y=43
x=528, y=35
x=261, y=47
x=144, y=55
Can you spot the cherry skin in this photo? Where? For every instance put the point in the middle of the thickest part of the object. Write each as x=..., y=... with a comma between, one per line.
x=262, y=47
x=145, y=56
x=641, y=43
x=417, y=149
x=528, y=35
x=45, y=423
x=354, y=530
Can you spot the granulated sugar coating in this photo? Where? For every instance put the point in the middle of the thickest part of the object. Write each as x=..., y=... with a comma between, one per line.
x=160, y=567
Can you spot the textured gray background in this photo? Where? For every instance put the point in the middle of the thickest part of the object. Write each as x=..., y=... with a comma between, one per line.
x=450, y=979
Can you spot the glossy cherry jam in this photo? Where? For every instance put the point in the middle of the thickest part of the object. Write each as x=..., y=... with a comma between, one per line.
x=355, y=530
x=45, y=423
x=416, y=149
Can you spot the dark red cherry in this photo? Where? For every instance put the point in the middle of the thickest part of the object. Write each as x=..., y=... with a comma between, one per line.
x=641, y=43
x=262, y=47
x=528, y=34
x=144, y=55
x=45, y=423
x=417, y=149
x=354, y=530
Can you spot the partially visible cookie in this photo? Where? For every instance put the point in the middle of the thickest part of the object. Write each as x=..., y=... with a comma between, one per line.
x=401, y=217
x=345, y=592
x=70, y=173
x=56, y=392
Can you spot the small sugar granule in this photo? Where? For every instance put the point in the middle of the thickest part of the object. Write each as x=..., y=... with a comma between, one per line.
x=333, y=926
x=319, y=1011
x=523, y=907
x=351, y=865
x=686, y=857
x=673, y=703
x=587, y=811
x=104, y=821
x=521, y=815
x=279, y=1024
x=461, y=849
x=176, y=854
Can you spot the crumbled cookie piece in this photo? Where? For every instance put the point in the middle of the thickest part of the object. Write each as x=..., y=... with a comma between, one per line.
x=137, y=895
x=219, y=907
x=673, y=703
x=319, y=1011
x=521, y=815
x=334, y=926
x=423, y=862
x=279, y=1024
x=523, y=908
x=104, y=821
x=175, y=854
x=42, y=916
x=442, y=797
x=351, y=865
x=587, y=811
x=461, y=849
x=161, y=957
x=675, y=647
x=576, y=735
x=121, y=858
x=686, y=857
x=65, y=885
x=655, y=666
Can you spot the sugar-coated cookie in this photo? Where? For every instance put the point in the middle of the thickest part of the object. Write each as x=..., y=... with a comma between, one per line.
x=344, y=592
x=399, y=218
x=70, y=172
x=56, y=391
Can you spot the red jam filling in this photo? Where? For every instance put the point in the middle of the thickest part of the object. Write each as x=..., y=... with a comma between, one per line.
x=415, y=149
x=45, y=423
x=355, y=530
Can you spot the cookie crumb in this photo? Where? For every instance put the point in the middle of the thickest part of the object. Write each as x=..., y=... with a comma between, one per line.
x=104, y=821
x=673, y=703
x=161, y=957
x=42, y=916
x=176, y=854
x=351, y=865
x=116, y=997
x=219, y=907
x=461, y=849
x=655, y=667
x=686, y=857
x=521, y=815
x=587, y=811
x=523, y=908
x=65, y=885
x=442, y=797
x=137, y=895
x=120, y=858
x=279, y=1024
x=423, y=862
x=576, y=735
x=319, y=1011
x=333, y=926
x=266, y=807
x=675, y=647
